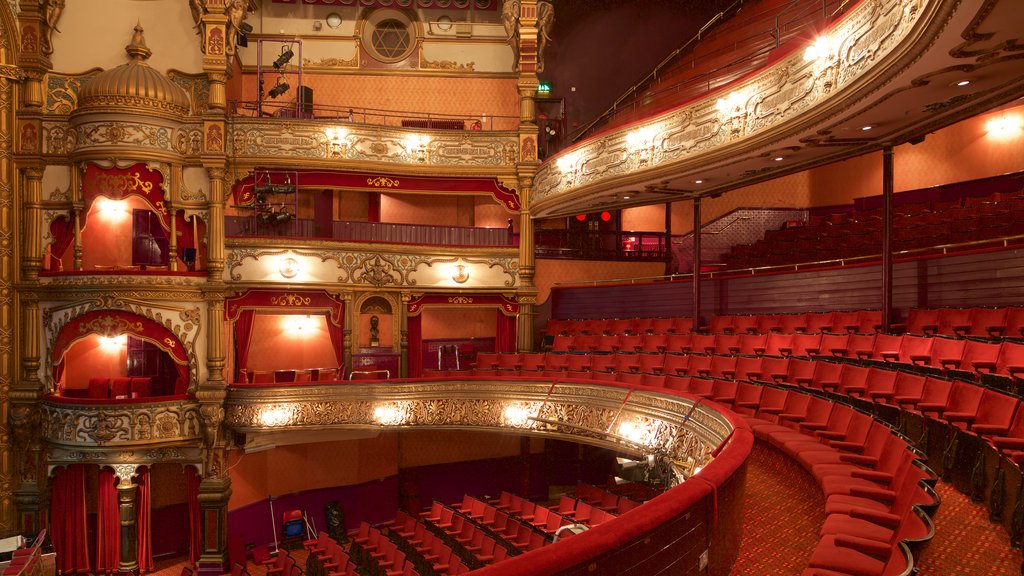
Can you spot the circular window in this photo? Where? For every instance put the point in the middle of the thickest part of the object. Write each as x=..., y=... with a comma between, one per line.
x=391, y=39
x=389, y=36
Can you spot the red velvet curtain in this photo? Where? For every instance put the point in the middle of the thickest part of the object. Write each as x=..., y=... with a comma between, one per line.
x=195, y=528
x=63, y=231
x=415, y=346
x=337, y=339
x=108, y=524
x=67, y=519
x=243, y=335
x=505, y=339
x=143, y=521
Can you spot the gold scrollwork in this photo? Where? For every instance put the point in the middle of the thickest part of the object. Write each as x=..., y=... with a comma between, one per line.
x=382, y=182
x=290, y=300
x=110, y=326
x=460, y=300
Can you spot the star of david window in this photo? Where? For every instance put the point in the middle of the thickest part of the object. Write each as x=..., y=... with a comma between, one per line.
x=391, y=39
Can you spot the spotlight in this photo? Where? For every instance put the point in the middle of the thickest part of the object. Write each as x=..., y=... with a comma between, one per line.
x=241, y=38
x=245, y=27
x=284, y=58
x=278, y=90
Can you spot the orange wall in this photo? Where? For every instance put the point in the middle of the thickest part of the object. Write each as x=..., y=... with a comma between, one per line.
x=352, y=205
x=88, y=357
x=476, y=322
x=644, y=218
x=276, y=346
x=384, y=329
x=288, y=469
x=107, y=236
x=551, y=271
x=468, y=97
x=435, y=210
x=490, y=214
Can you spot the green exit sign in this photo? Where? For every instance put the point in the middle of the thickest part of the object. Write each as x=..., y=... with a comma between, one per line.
x=544, y=88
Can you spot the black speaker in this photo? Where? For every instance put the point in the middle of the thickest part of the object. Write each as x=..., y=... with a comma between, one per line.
x=335, y=521
x=306, y=100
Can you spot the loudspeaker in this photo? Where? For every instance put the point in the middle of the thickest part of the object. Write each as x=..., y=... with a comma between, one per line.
x=306, y=100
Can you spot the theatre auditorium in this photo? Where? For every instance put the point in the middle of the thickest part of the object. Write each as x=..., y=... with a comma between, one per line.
x=511, y=287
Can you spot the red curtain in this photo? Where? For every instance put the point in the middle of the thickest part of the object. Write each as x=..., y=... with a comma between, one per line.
x=108, y=524
x=195, y=528
x=67, y=519
x=143, y=523
x=63, y=231
x=337, y=340
x=415, y=346
x=243, y=335
x=505, y=339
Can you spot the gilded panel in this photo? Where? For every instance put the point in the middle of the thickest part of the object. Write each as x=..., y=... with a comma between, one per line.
x=117, y=425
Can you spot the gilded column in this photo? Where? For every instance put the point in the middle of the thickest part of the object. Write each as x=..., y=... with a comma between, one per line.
x=350, y=313
x=214, y=493
x=32, y=255
x=127, y=490
x=9, y=76
x=77, y=208
x=172, y=242
x=527, y=293
x=404, y=334
x=215, y=227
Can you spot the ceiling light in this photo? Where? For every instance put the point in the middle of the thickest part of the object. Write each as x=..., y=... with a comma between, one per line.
x=963, y=83
x=698, y=181
x=779, y=158
x=866, y=128
x=625, y=197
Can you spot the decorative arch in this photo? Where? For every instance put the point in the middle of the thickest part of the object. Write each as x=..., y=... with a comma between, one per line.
x=241, y=311
x=115, y=323
x=507, y=312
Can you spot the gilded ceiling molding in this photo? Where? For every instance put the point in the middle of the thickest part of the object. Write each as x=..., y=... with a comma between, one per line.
x=389, y=266
x=184, y=322
x=256, y=141
x=781, y=96
x=639, y=422
x=119, y=425
x=140, y=455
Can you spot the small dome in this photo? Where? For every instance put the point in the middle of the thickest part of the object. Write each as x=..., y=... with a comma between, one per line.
x=134, y=85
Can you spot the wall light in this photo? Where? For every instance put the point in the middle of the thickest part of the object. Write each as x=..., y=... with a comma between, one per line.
x=289, y=267
x=392, y=414
x=823, y=47
x=112, y=209
x=300, y=325
x=1004, y=127
x=732, y=103
x=641, y=144
x=416, y=146
x=460, y=273
x=337, y=141
x=111, y=344
x=517, y=415
x=276, y=415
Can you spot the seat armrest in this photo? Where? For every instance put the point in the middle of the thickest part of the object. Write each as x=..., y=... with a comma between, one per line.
x=793, y=417
x=759, y=350
x=870, y=492
x=813, y=426
x=991, y=429
x=869, y=547
x=785, y=350
x=946, y=362
x=959, y=416
x=920, y=358
x=859, y=459
x=855, y=447
x=995, y=331
x=890, y=356
x=873, y=475
x=876, y=516
x=930, y=328
x=1007, y=443
x=982, y=365
x=835, y=437
x=839, y=351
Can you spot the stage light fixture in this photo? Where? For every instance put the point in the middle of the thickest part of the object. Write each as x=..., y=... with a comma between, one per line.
x=284, y=58
x=278, y=90
x=241, y=37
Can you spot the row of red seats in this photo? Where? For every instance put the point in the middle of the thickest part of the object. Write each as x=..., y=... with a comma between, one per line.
x=1003, y=360
x=878, y=494
x=977, y=322
x=605, y=499
x=384, y=553
x=328, y=558
x=676, y=324
x=103, y=387
x=514, y=531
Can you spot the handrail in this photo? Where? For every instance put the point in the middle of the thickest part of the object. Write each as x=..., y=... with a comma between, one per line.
x=633, y=90
x=359, y=114
x=796, y=267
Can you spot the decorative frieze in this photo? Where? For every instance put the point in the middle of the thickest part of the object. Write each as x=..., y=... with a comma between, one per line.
x=111, y=425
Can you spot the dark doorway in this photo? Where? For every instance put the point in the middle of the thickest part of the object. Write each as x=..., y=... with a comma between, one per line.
x=145, y=359
x=149, y=240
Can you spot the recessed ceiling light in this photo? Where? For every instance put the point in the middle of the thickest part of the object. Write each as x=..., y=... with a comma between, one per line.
x=963, y=83
x=866, y=128
x=698, y=181
x=779, y=158
x=625, y=197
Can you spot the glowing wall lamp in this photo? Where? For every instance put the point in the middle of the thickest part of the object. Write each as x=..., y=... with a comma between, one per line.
x=274, y=416
x=300, y=325
x=112, y=344
x=112, y=209
x=641, y=144
x=289, y=267
x=460, y=274
x=337, y=142
x=416, y=147
x=391, y=414
x=1004, y=127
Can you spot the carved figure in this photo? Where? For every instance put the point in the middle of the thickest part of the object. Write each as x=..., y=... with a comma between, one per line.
x=237, y=10
x=198, y=9
x=510, y=19
x=52, y=9
x=545, y=20
x=374, y=330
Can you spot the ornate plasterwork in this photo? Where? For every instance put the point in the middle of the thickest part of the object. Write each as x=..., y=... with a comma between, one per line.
x=62, y=91
x=60, y=138
x=641, y=422
x=448, y=65
x=256, y=140
x=329, y=62
x=117, y=425
x=142, y=455
x=183, y=322
x=389, y=266
x=779, y=95
x=197, y=86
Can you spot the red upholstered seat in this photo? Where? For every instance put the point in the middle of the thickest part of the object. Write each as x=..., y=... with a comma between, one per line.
x=140, y=387
x=677, y=382
x=792, y=323
x=1010, y=361
x=676, y=364
x=852, y=380
x=995, y=414
x=845, y=322
x=922, y=321
x=724, y=391
x=532, y=362
x=121, y=388
x=620, y=326
x=748, y=398
x=748, y=368
x=946, y=352
x=778, y=345
x=487, y=360
x=644, y=325
x=799, y=372
x=851, y=556
x=654, y=343
x=727, y=343
x=661, y=325
x=650, y=363
x=1014, y=322
x=631, y=342
x=954, y=321
x=702, y=344
x=678, y=343
x=835, y=345
x=682, y=324
x=880, y=383
x=907, y=389
x=767, y=323
x=578, y=362
x=987, y=323
x=773, y=369
x=607, y=343
x=980, y=357
x=508, y=361
x=915, y=350
x=722, y=367
x=99, y=387
x=721, y=324
x=653, y=380
x=964, y=404
x=699, y=366
x=826, y=374
x=806, y=344
x=861, y=345
x=819, y=321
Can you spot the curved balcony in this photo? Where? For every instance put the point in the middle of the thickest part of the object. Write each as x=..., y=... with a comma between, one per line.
x=643, y=421
x=119, y=424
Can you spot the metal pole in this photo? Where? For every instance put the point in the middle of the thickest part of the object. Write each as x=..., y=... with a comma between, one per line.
x=887, y=185
x=696, y=263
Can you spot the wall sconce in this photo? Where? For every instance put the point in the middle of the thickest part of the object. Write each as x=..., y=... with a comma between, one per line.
x=731, y=104
x=518, y=415
x=641, y=144
x=275, y=416
x=112, y=344
x=733, y=109
x=300, y=324
x=111, y=209
x=416, y=146
x=392, y=414
x=823, y=48
x=1004, y=127
x=337, y=142
x=824, y=53
x=289, y=267
x=461, y=274
x=571, y=166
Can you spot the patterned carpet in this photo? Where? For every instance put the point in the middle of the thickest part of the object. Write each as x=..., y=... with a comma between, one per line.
x=783, y=512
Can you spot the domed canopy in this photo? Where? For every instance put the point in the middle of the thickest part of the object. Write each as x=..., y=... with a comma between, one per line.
x=134, y=85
